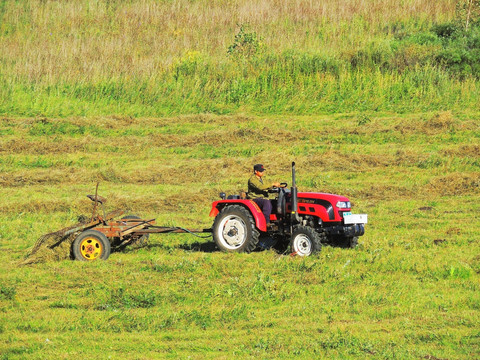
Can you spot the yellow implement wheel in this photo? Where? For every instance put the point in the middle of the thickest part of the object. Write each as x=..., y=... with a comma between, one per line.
x=91, y=248
x=91, y=245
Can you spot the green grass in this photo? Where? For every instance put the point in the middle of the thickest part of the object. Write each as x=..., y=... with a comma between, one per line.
x=368, y=90
x=409, y=291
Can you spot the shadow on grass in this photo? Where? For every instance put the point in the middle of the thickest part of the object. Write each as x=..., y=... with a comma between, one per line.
x=265, y=243
x=207, y=247
x=211, y=247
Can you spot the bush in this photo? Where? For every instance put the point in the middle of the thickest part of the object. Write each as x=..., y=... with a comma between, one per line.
x=445, y=30
x=446, y=45
x=461, y=53
x=246, y=44
x=375, y=55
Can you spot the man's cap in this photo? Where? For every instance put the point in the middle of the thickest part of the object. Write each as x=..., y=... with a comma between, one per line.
x=258, y=167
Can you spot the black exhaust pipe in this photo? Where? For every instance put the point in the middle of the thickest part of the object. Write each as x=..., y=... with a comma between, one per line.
x=295, y=219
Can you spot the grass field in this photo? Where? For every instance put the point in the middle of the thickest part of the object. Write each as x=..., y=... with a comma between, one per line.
x=168, y=103
x=410, y=290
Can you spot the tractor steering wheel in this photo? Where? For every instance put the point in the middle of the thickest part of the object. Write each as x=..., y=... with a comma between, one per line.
x=277, y=189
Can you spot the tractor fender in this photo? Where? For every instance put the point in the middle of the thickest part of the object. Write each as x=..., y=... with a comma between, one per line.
x=250, y=205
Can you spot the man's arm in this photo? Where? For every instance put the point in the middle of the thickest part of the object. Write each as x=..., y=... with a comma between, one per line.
x=258, y=185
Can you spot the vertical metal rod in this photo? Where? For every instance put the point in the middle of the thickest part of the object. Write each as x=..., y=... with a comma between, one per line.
x=95, y=203
x=294, y=215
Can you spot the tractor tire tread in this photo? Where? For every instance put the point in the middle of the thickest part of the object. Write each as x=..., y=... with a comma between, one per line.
x=316, y=237
x=252, y=241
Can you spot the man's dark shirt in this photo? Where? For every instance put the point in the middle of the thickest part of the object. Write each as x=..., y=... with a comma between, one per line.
x=257, y=189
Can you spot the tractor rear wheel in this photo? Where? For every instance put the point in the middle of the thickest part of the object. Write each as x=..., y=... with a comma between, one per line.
x=234, y=230
x=91, y=245
x=305, y=241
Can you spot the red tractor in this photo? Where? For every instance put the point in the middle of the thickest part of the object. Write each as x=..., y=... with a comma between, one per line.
x=305, y=220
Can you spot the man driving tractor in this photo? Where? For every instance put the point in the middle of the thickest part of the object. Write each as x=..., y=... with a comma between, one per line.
x=258, y=191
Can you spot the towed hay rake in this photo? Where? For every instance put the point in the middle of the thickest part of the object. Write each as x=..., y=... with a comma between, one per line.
x=97, y=237
x=94, y=238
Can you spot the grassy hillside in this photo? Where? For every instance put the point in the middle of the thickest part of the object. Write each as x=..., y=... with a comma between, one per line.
x=410, y=291
x=150, y=58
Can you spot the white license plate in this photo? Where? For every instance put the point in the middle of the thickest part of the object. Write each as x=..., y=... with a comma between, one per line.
x=355, y=218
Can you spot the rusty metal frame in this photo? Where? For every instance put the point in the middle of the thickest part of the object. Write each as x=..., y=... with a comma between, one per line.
x=130, y=228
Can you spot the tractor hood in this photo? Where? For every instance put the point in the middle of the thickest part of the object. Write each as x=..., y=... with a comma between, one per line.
x=328, y=207
x=332, y=198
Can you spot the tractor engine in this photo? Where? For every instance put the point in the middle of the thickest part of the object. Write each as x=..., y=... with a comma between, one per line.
x=332, y=213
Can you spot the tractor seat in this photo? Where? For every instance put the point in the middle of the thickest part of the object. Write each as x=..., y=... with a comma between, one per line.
x=242, y=195
x=100, y=199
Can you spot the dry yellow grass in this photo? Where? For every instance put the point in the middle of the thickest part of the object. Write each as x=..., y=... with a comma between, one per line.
x=92, y=40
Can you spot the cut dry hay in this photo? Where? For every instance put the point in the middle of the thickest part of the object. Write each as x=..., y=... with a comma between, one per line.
x=57, y=246
x=456, y=184
x=54, y=246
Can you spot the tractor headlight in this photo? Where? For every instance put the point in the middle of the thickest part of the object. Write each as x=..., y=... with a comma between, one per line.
x=343, y=205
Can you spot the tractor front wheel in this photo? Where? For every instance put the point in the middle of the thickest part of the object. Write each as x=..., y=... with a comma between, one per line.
x=234, y=230
x=91, y=245
x=349, y=242
x=344, y=242
x=305, y=241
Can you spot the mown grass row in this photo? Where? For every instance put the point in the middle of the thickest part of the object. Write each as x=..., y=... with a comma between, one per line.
x=217, y=150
